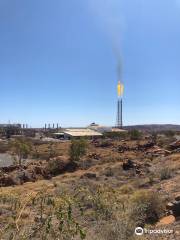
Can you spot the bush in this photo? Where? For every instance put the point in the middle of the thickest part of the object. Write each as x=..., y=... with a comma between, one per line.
x=57, y=165
x=54, y=166
x=127, y=189
x=116, y=135
x=169, y=133
x=110, y=210
x=151, y=179
x=77, y=149
x=146, y=207
x=121, y=229
x=53, y=217
x=165, y=173
x=108, y=172
x=52, y=150
x=135, y=134
x=20, y=149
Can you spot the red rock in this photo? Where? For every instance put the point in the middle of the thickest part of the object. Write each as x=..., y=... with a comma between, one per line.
x=166, y=220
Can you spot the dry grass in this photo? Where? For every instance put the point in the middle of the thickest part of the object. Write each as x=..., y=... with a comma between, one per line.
x=109, y=203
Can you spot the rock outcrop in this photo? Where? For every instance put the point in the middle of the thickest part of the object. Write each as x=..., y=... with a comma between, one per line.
x=16, y=175
x=174, y=207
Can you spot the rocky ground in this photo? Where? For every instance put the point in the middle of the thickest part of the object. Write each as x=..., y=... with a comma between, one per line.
x=112, y=176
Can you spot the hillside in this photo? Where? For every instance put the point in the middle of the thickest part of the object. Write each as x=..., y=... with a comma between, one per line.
x=155, y=127
x=116, y=186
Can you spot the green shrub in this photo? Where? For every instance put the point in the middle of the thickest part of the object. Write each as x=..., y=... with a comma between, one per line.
x=54, y=217
x=54, y=166
x=20, y=149
x=77, y=149
x=135, y=134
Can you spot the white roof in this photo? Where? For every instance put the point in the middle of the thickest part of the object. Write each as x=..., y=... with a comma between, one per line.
x=81, y=132
x=59, y=133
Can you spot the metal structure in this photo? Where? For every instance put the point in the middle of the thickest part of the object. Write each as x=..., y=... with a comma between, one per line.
x=120, y=91
x=7, y=130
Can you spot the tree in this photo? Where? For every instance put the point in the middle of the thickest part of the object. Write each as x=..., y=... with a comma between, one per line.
x=21, y=150
x=77, y=149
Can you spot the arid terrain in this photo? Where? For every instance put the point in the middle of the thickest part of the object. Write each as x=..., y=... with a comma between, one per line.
x=114, y=186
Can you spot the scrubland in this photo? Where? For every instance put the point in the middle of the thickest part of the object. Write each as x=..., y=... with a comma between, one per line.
x=97, y=190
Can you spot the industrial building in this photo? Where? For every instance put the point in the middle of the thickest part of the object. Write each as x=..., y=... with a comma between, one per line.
x=10, y=129
x=81, y=132
x=76, y=133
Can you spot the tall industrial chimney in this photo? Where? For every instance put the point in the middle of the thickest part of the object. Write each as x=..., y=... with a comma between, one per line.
x=120, y=91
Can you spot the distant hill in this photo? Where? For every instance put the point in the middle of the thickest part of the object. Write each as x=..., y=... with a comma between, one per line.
x=154, y=127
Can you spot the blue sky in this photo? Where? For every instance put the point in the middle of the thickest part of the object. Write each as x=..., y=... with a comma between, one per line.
x=58, y=61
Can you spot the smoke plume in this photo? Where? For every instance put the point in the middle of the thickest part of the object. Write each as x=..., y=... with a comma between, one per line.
x=110, y=19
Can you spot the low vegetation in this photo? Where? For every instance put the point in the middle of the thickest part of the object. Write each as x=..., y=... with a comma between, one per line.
x=20, y=150
x=40, y=216
x=165, y=173
x=135, y=134
x=57, y=215
x=146, y=207
x=77, y=149
x=94, y=190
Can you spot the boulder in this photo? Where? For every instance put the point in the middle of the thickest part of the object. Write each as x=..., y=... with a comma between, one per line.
x=177, y=197
x=6, y=180
x=128, y=164
x=176, y=150
x=157, y=151
x=143, y=147
x=174, y=207
x=166, y=220
x=12, y=168
x=60, y=165
x=24, y=176
x=175, y=145
x=94, y=156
